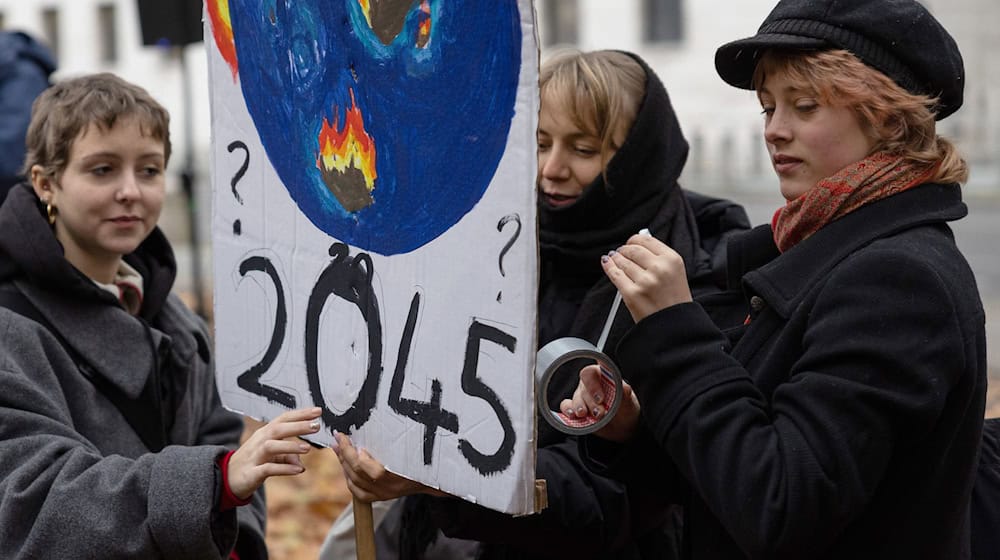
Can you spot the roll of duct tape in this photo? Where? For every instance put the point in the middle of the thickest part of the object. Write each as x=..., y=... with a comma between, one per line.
x=554, y=355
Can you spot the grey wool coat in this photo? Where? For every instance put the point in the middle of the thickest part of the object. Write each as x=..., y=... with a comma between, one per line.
x=76, y=480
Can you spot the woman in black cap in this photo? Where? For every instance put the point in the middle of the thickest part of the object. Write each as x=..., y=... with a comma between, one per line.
x=843, y=419
x=610, y=151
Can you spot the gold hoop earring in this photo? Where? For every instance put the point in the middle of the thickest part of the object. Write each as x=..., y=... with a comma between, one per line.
x=50, y=211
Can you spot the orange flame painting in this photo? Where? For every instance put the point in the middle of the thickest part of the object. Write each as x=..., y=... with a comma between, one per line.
x=222, y=30
x=424, y=32
x=366, y=9
x=347, y=158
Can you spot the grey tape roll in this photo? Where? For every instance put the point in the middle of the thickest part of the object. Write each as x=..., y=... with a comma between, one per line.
x=549, y=359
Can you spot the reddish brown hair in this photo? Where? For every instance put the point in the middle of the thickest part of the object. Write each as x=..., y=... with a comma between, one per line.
x=901, y=122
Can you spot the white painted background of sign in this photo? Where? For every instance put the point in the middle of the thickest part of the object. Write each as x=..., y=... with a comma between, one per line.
x=457, y=275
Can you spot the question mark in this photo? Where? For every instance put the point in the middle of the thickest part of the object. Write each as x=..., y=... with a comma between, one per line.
x=500, y=225
x=233, y=146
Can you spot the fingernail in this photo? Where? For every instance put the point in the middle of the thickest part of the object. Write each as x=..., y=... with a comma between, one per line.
x=314, y=425
x=598, y=398
x=568, y=412
x=597, y=412
x=304, y=447
x=604, y=259
x=612, y=253
x=580, y=411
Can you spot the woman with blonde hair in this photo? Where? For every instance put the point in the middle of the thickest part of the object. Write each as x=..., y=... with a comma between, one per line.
x=610, y=151
x=843, y=419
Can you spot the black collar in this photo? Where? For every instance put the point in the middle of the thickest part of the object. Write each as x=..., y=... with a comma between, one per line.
x=783, y=279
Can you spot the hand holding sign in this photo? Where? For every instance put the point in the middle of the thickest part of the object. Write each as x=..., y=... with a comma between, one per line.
x=367, y=478
x=271, y=450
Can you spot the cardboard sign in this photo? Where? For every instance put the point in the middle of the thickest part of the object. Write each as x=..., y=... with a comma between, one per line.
x=374, y=228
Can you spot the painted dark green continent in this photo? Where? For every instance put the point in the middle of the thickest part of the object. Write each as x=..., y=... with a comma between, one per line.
x=349, y=187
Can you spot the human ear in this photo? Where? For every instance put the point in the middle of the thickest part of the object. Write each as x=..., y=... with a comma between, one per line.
x=42, y=183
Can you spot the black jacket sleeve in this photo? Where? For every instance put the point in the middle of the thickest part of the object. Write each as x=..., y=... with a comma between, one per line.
x=786, y=466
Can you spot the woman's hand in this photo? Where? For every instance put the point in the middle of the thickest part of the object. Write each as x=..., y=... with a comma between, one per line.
x=272, y=450
x=649, y=274
x=589, y=399
x=367, y=478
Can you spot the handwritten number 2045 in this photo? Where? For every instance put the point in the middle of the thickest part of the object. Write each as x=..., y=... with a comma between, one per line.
x=350, y=279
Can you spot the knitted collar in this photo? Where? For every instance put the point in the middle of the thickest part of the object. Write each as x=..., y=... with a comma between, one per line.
x=126, y=287
x=876, y=177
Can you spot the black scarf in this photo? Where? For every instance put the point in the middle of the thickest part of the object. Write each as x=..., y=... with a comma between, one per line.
x=641, y=191
x=575, y=296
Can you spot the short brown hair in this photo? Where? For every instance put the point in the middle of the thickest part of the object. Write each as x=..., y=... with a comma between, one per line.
x=902, y=123
x=65, y=111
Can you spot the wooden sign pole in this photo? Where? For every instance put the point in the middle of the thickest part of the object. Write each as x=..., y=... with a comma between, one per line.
x=364, y=530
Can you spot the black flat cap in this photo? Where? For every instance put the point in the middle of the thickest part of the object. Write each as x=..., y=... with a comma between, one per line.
x=900, y=38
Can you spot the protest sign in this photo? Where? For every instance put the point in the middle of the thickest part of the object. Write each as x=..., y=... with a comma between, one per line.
x=374, y=228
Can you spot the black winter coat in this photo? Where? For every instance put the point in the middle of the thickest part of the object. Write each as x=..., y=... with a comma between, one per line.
x=844, y=420
x=589, y=515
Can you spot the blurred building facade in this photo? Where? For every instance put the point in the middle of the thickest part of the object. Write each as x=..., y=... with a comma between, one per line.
x=677, y=37
x=723, y=124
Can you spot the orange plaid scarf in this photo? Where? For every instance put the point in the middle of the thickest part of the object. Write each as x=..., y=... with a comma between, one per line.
x=876, y=177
